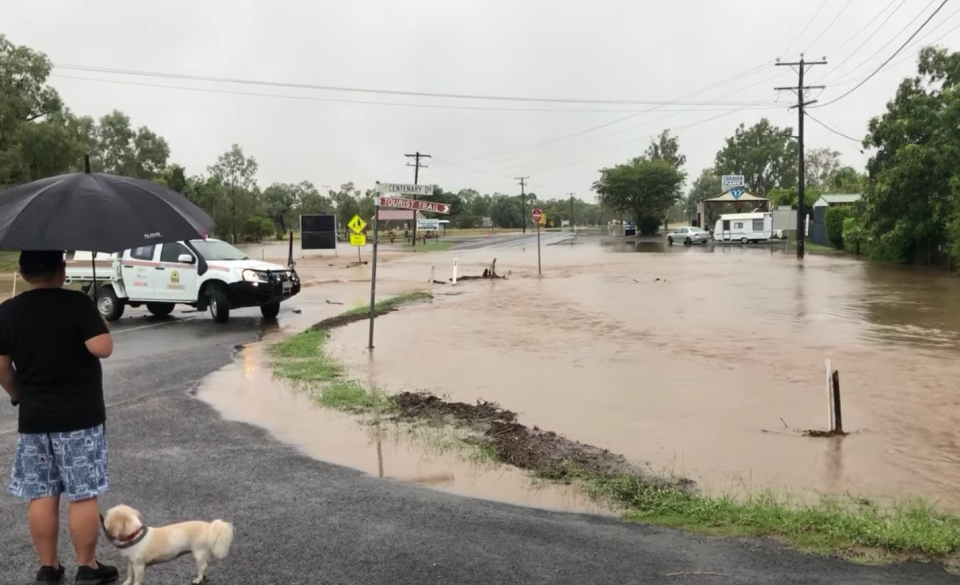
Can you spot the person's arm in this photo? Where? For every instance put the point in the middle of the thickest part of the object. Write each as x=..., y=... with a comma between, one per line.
x=93, y=329
x=8, y=379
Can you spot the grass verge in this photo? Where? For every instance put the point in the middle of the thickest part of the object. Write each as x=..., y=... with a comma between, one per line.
x=390, y=304
x=857, y=529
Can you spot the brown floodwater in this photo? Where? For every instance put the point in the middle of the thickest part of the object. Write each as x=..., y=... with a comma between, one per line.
x=700, y=361
x=246, y=391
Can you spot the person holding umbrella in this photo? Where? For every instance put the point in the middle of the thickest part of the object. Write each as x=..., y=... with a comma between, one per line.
x=52, y=341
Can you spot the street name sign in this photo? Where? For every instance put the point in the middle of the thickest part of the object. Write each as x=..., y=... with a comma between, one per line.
x=414, y=204
x=404, y=189
x=428, y=225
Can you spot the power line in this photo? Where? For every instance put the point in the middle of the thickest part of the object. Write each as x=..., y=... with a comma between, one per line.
x=364, y=102
x=915, y=33
x=356, y=89
x=815, y=15
x=506, y=157
x=621, y=120
x=880, y=50
x=865, y=27
x=829, y=26
x=850, y=78
x=838, y=133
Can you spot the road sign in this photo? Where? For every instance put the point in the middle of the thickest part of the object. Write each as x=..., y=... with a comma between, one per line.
x=357, y=224
x=736, y=192
x=536, y=214
x=728, y=182
x=414, y=204
x=403, y=189
x=358, y=239
x=428, y=225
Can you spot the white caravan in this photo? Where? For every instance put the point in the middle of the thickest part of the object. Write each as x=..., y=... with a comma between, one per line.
x=744, y=227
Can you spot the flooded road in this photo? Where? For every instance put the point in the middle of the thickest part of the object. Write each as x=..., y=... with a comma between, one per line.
x=683, y=357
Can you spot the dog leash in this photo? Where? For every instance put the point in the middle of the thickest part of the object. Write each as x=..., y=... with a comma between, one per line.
x=121, y=544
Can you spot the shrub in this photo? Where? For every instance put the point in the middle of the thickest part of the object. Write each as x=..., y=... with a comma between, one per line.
x=852, y=235
x=833, y=220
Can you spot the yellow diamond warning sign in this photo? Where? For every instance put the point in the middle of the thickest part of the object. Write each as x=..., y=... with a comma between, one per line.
x=356, y=225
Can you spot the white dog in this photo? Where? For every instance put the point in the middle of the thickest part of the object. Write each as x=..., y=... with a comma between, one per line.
x=143, y=546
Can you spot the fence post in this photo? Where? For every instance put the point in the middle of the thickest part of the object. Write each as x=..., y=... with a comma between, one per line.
x=456, y=263
x=837, y=414
x=830, y=412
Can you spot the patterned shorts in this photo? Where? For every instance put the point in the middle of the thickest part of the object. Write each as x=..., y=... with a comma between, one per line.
x=51, y=464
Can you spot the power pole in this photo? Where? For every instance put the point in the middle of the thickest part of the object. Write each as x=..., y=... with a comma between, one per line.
x=571, y=209
x=801, y=89
x=523, y=200
x=416, y=178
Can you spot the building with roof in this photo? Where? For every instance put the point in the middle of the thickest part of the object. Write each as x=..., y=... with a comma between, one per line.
x=818, y=233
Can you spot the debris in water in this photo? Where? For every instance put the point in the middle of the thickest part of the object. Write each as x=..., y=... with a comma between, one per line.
x=297, y=311
x=329, y=302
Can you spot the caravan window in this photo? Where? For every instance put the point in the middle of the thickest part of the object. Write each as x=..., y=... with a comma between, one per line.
x=738, y=225
x=758, y=225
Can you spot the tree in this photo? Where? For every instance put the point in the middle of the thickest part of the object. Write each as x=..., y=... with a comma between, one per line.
x=820, y=164
x=911, y=204
x=282, y=200
x=507, y=212
x=706, y=186
x=846, y=180
x=174, y=177
x=666, y=148
x=236, y=175
x=120, y=150
x=764, y=154
x=643, y=188
x=39, y=137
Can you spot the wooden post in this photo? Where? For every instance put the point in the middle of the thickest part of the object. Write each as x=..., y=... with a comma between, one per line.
x=837, y=415
x=830, y=410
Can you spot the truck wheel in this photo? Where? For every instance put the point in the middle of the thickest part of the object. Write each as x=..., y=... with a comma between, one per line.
x=270, y=311
x=744, y=240
x=160, y=309
x=219, y=305
x=108, y=304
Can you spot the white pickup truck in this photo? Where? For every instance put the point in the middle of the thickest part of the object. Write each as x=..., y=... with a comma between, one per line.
x=200, y=273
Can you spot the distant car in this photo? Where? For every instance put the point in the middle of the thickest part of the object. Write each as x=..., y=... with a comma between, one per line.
x=689, y=235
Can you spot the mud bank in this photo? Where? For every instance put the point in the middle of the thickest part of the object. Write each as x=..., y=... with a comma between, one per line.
x=545, y=453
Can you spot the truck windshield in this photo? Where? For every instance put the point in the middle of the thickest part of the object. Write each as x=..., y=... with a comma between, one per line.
x=213, y=250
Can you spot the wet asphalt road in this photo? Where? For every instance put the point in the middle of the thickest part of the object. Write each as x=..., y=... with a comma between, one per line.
x=303, y=521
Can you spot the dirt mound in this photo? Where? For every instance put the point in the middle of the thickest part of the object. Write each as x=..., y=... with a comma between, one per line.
x=545, y=453
x=348, y=318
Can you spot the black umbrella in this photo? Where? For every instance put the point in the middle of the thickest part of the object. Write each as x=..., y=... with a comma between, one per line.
x=96, y=212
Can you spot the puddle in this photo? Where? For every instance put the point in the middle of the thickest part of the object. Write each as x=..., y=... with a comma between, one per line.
x=246, y=391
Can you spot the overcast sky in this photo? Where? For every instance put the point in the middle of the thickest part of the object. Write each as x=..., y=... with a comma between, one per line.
x=633, y=50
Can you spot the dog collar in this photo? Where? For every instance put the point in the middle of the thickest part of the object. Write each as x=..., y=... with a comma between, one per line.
x=124, y=541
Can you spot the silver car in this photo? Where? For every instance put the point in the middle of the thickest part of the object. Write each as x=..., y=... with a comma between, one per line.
x=689, y=235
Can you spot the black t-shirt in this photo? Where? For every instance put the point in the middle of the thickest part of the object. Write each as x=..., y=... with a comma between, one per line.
x=61, y=384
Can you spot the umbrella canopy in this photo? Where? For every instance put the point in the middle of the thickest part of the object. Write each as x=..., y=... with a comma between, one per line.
x=96, y=212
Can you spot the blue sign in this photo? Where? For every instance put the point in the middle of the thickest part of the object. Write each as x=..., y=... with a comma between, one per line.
x=736, y=192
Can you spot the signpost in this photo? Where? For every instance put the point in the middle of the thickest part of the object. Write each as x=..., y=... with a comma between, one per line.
x=728, y=182
x=537, y=216
x=358, y=238
x=396, y=203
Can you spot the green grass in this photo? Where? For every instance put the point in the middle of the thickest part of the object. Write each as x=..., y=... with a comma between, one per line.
x=9, y=261
x=351, y=396
x=828, y=526
x=391, y=303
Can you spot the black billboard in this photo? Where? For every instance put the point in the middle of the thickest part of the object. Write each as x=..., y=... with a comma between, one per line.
x=318, y=232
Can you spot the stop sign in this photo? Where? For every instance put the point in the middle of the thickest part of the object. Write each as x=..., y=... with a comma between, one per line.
x=536, y=214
